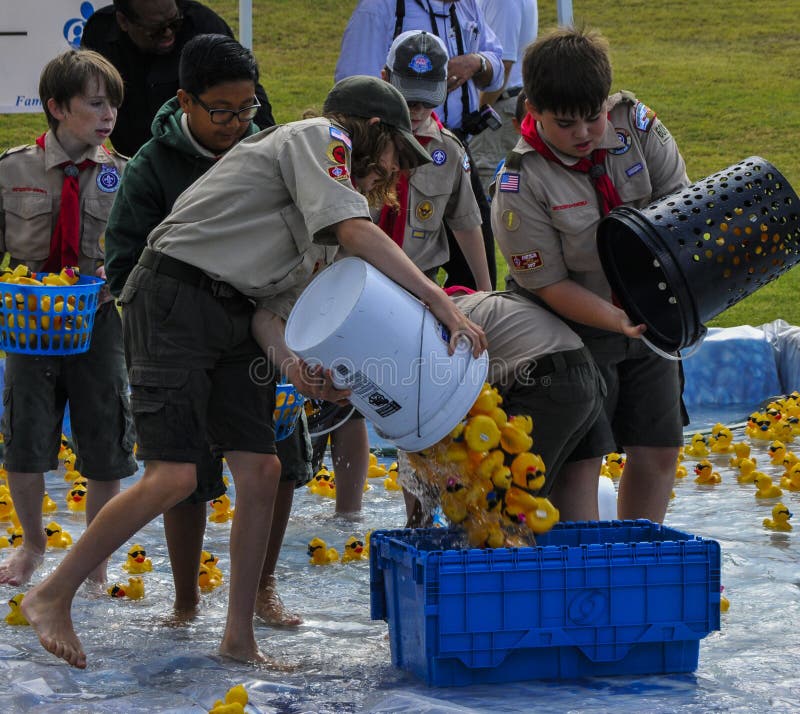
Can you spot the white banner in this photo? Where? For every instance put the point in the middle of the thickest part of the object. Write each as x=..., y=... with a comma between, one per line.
x=32, y=32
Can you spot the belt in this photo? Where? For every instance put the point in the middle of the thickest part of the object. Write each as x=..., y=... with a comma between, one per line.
x=556, y=362
x=183, y=272
x=510, y=93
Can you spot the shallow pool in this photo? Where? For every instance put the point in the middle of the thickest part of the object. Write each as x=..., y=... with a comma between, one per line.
x=342, y=657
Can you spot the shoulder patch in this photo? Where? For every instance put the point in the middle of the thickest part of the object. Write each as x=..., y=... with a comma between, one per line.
x=509, y=182
x=527, y=261
x=338, y=172
x=643, y=117
x=465, y=163
x=336, y=152
x=661, y=132
x=439, y=156
x=625, y=139
x=342, y=136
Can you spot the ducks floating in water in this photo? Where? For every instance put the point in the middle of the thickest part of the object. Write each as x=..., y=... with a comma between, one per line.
x=137, y=561
x=235, y=701
x=353, y=550
x=320, y=554
x=706, y=474
x=765, y=488
x=134, y=590
x=780, y=519
x=15, y=616
x=56, y=537
x=221, y=510
x=698, y=446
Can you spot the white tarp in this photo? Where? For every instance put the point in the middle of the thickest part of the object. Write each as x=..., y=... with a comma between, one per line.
x=32, y=32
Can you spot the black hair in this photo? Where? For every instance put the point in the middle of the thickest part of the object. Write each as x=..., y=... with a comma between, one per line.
x=519, y=108
x=126, y=8
x=209, y=60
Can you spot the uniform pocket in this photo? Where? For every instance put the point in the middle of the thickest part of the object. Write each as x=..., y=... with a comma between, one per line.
x=29, y=225
x=94, y=218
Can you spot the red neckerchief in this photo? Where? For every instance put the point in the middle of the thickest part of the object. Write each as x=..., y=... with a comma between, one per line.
x=65, y=242
x=393, y=220
x=592, y=165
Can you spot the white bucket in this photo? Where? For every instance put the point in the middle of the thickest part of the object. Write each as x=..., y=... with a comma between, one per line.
x=389, y=350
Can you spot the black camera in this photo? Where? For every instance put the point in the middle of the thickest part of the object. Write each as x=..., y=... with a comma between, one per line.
x=484, y=118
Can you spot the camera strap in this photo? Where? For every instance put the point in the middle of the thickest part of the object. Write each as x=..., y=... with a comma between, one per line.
x=400, y=13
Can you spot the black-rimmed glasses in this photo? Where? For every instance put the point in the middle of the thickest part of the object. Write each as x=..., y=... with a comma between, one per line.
x=223, y=116
x=157, y=31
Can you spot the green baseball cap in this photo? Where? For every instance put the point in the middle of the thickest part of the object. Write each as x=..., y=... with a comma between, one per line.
x=367, y=97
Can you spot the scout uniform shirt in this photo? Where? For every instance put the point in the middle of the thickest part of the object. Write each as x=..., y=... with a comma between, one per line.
x=545, y=216
x=260, y=219
x=518, y=332
x=438, y=192
x=30, y=199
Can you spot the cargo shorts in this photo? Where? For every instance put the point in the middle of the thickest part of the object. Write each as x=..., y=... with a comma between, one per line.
x=197, y=376
x=37, y=389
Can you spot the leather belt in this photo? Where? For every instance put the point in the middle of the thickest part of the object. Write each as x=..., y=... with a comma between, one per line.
x=183, y=272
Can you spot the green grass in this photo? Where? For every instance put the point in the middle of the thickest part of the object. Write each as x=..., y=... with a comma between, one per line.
x=722, y=75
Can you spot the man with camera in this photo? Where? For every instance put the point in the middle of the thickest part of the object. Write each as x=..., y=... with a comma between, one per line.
x=475, y=66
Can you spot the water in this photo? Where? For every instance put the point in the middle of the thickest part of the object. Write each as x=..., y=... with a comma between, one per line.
x=342, y=657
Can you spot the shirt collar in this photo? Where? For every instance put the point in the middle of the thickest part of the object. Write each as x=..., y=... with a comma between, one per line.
x=54, y=153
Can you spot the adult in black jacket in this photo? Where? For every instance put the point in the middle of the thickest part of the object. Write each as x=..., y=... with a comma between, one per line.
x=143, y=39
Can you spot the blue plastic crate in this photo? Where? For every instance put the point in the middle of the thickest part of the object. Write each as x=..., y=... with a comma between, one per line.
x=599, y=598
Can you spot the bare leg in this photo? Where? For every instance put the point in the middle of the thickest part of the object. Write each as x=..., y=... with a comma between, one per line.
x=574, y=492
x=269, y=606
x=184, y=528
x=256, y=479
x=646, y=482
x=98, y=493
x=27, y=492
x=350, y=453
x=47, y=606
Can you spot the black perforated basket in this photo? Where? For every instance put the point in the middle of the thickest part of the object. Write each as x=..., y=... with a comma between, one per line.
x=685, y=259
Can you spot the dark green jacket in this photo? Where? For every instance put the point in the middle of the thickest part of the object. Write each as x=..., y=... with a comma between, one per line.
x=156, y=175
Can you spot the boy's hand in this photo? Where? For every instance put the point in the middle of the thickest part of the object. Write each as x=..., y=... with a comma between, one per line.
x=316, y=382
x=104, y=295
x=628, y=329
x=459, y=325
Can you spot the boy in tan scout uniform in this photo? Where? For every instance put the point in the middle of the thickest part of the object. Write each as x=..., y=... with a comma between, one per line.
x=253, y=229
x=581, y=154
x=55, y=197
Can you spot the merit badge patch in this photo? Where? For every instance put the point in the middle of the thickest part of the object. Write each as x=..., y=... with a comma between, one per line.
x=108, y=179
x=336, y=152
x=424, y=210
x=510, y=220
x=439, y=157
x=338, y=172
x=644, y=116
x=635, y=169
x=421, y=64
x=624, y=139
x=342, y=136
x=527, y=261
x=661, y=132
x=465, y=163
x=509, y=183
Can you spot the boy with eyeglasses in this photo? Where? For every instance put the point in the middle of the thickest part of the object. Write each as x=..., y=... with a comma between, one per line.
x=212, y=112
x=143, y=39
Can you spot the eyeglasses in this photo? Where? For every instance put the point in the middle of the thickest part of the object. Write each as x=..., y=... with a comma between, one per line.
x=223, y=116
x=424, y=105
x=157, y=31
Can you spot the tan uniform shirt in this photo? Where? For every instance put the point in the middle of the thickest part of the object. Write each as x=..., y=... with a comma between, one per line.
x=438, y=192
x=545, y=216
x=260, y=219
x=517, y=330
x=30, y=199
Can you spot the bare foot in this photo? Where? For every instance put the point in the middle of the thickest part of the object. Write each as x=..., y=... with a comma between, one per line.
x=270, y=608
x=257, y=657
x=52, y=620
x=20, y=565
x=180, y=616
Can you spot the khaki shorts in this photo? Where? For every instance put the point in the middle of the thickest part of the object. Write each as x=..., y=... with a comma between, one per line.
x=563, y=394
x=37, y=389
x=197, y=376
x=643, y=405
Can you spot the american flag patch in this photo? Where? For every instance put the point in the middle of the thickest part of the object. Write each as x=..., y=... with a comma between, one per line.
x=342, y=136
x=509, y=182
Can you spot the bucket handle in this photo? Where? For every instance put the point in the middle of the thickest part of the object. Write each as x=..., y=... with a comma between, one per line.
x=677, y=357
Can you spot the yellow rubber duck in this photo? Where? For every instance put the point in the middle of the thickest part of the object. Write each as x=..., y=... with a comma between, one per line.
x=320, y=554
x=375, y=470
x=724, y=603
x=211, y=561
x=48, y=504
x=747, y=471
x=353, y=550
x=765, y=488
x=134, y=590
x=741, y=450
x=8, y=513
x=76, y=498
x=791, y=480
x=15, y=617
x=221, y=510
x=780, y=519
x=515, y=434
x=777, y=453
x=56, y=537
x=71, y=474
x=697, y=447
x=66, y=277
x=64, y=448
x=680, y=471
x=235, y=701
x=543, y=517
x=706, y=474
x=207, y=579
x=323, y=483
x=721, y=439
x=15, y=536
x=390, y=482
x=614, y=464
x=481, y=433
x=790, y=460
x=759, y=427
x=137, y=561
